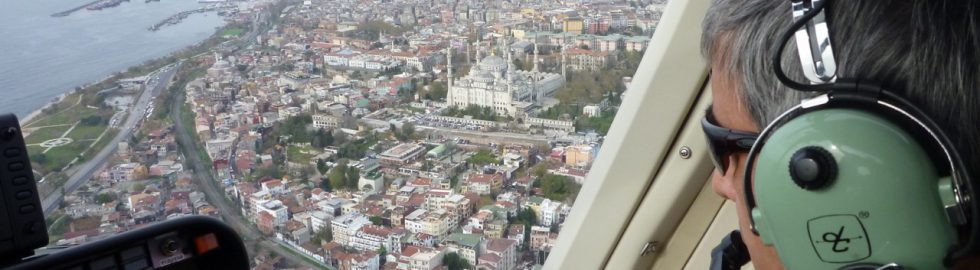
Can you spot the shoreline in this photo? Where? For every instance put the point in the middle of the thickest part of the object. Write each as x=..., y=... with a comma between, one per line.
x=31, y=116
x=60, y=97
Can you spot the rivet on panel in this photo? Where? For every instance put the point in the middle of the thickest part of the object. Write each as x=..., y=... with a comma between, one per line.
x=685, y=152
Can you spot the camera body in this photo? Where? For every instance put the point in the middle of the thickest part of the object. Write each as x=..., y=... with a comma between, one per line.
x=194, y=242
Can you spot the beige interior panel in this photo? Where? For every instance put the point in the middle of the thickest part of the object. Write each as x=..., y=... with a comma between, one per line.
x=656, y=105
x=690, y=232
x=669, y=200
x=723, y=223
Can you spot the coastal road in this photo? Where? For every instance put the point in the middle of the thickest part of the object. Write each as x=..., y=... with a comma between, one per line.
x=156, y=82
x=229, y=212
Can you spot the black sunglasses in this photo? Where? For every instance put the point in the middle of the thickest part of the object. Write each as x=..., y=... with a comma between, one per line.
x=725, y=141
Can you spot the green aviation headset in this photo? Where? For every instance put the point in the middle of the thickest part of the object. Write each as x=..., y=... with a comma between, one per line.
x=856, y=177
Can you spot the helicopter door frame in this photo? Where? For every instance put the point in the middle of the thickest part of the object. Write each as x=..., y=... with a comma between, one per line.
x=611, y=223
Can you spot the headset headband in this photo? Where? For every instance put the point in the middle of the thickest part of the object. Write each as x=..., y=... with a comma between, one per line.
x=838, y=93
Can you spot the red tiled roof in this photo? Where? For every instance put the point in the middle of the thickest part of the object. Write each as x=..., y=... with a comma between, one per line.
x=500, y=245
x=490, y=257
x=376, y=230
x=410, y=250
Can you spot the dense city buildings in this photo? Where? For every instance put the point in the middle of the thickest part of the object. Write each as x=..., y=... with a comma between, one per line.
x=386, y=134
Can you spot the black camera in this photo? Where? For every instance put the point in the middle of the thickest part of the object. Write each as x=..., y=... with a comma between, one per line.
x=194, y=242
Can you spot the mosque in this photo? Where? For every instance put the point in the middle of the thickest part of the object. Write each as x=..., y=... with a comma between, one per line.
x=496, y=82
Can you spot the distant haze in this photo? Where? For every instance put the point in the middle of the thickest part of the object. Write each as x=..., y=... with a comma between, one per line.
x=42, y=56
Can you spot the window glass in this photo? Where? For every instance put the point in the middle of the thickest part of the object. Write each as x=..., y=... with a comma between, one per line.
x=368, y=135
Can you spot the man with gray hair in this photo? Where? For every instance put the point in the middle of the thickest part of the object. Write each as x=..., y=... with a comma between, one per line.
x=925, y=51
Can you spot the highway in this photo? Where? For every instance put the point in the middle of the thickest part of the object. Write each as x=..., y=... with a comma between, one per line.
x=156, y=82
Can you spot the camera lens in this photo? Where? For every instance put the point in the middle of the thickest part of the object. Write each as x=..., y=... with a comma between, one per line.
x=169, y=247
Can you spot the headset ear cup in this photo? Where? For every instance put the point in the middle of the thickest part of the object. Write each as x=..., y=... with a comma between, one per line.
x=831, y=183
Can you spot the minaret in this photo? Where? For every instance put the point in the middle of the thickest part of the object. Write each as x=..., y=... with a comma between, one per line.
x=493, y=52
x=510, y=71
x=477, y=55
x=563, y=61
x=535, y=55
x=449, y=76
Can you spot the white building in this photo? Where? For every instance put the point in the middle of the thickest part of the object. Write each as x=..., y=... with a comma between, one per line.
x=275, y=208
x=318, y=220
x=563, y=125
x=505, y=250
x=371, y=183
x=346, y=226
x=550, y=212
x=325, y=121
x=420, y=258
x=591, y=110
x=435, y=223
x=122, y=172
x=496, y=83
x=372, y=238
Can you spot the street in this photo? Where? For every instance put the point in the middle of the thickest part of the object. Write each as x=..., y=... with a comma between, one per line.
x=156, y=82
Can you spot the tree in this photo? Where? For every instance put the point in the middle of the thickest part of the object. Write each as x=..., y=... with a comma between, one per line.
x=437, y=91
x=353, y=176
x=383, y=252
x=325, y=234
x=408, y=130
x=326, y=138
x=325, y=185
x=558, y=188
x=453, y=261
x=376, y=220
x=92, y=120
x=526, y=216
x=138, y=187
x=539, y=170
x=321, y=166
x=270, y=171
x=482, y=157
x=105, y=197
x=454, y=181
x=338, y=178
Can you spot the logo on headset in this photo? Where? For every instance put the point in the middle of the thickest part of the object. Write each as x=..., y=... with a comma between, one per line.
x=839, y=238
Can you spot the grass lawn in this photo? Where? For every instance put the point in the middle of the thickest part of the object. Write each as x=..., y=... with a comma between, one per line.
x=46, y=133
x=68, y=113
x=98, y=145
x=69, y=116
x=54, y=125
x=233, y=32
x=83, y=132
x=58, y=157
x=299, y=154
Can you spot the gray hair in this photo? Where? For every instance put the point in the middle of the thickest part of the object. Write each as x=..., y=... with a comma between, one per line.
x=924, y=50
